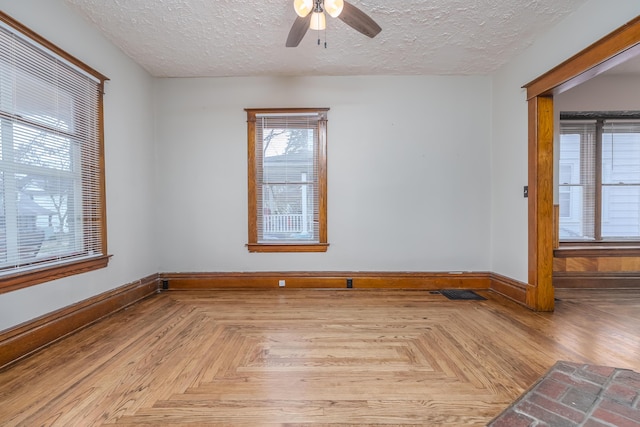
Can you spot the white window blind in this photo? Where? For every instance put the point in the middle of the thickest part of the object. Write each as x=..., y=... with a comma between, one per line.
x=600, y=196
x=51, y=189
x=287, y=153
x=577, y=156
x=620, y=180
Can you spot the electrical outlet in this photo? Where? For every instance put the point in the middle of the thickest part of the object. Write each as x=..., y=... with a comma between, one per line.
x=281, y=283
x=349, y=283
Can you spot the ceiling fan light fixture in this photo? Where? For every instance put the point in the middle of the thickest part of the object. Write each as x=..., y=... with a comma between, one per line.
x=333, y=7
x=318, y=21
x=303, y=7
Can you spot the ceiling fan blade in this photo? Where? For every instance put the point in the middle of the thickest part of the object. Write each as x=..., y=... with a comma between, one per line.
x=298, y=30
x=359, y=21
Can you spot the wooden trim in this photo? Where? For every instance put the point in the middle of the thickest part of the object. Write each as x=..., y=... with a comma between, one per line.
x=510, y=288
x=540, y=293
x=596, y=251
x=251, y=179
x=613, y=49
x=27, y=338
x=291, y=247
x=29, y=278
x=322, y=181
x=331, y=280
x=597, y=280
x=48, y=45
x=252, y=112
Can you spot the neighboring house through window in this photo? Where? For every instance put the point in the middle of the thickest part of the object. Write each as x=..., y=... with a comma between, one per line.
x=52, y=214
x=599, y=177
x=287, y=180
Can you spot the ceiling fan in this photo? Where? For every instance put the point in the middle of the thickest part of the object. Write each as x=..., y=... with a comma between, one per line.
x=311, y=15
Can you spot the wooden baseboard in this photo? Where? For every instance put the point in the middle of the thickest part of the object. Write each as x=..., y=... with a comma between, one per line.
x=510, y=288
x=596, y=280
x=23, y=340
x=332, y=280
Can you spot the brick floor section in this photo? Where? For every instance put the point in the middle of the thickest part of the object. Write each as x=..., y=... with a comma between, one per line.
x=577, y=395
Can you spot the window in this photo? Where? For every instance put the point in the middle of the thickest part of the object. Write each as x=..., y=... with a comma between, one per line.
x=52, y=219
x=287, y=180
x=566, y=171
x=599, y=180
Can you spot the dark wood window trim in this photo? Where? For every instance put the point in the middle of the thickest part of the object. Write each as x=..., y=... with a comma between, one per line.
x=597, y=249
x=267, y=247
x=35, y=274
x=253, y=244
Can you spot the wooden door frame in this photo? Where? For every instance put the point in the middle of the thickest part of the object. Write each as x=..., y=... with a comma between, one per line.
x=613, y=49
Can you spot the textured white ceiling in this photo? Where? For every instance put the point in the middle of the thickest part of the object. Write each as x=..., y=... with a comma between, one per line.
x=197, y=38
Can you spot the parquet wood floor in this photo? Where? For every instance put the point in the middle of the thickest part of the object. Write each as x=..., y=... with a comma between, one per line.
x=313, y=358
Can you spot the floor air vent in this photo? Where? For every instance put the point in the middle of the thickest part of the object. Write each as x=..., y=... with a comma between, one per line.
x=461, y=294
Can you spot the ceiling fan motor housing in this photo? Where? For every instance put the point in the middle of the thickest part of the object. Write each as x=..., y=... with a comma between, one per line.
x=332, y=7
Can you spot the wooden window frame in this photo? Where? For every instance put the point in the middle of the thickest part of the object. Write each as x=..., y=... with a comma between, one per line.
x=253, y=244
x=35, y=274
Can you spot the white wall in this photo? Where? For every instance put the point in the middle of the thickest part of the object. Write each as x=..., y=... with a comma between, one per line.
x=509, y=130
x=408, y=172
x=602, y=93
x=425, y=173
x=128, y=156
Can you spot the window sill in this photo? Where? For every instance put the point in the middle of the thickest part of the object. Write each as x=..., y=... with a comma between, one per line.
x=597, y=250
x=287, y=247
x=12, y=282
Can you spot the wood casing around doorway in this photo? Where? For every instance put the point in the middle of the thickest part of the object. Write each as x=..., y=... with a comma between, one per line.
x=613, y=49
